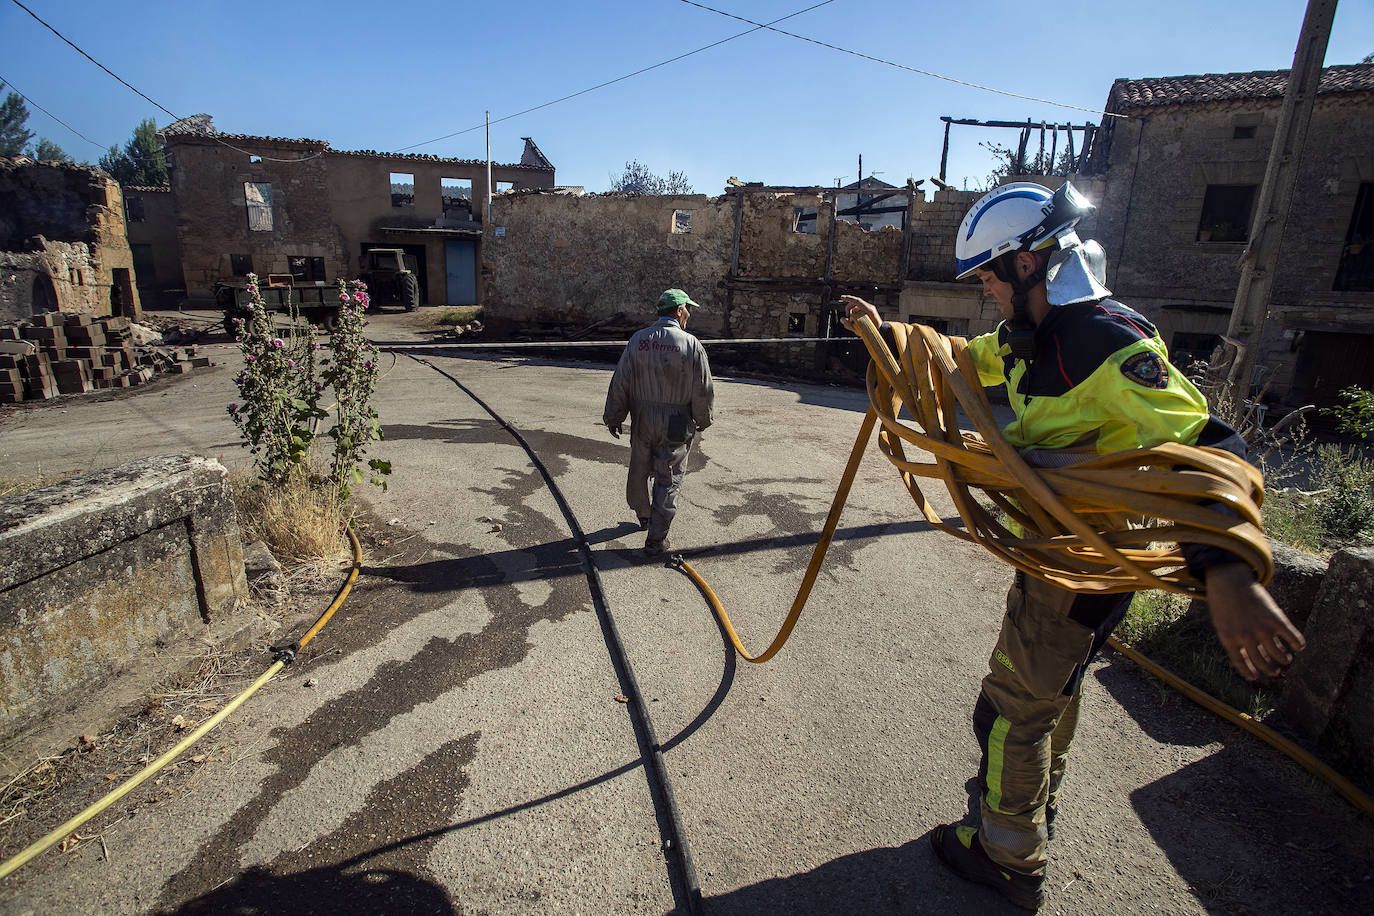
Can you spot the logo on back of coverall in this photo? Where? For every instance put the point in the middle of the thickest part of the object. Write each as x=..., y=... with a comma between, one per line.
x=1147, y=369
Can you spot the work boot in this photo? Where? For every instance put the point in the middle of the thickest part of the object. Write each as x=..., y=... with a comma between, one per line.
x=654, y=549
x=1050, y=812
x=644, y=523
x=958, y=847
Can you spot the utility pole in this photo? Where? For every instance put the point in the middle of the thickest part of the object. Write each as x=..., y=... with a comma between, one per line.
x=1276, y=197
x=487, y=219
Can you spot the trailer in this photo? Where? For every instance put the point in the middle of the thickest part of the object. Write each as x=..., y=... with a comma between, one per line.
x=318, y=304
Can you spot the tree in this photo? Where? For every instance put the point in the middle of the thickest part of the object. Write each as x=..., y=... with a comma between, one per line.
x=141, y=161
x=46, y=149
x=637, y=179
x=1036, y=164
x=13, y=114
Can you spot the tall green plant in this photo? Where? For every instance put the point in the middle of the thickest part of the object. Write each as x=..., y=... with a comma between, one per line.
x=279, y=389
x=352, y=372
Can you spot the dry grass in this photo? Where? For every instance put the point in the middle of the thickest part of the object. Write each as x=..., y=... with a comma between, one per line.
x=14, y=486
x=452, y=316
x=300, y=521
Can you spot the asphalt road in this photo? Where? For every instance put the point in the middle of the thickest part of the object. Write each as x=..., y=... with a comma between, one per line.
x=463, y=747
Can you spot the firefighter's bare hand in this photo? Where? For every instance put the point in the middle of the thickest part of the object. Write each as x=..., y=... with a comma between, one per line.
x=1257, y=636
x=854, y=307
x=614, y=429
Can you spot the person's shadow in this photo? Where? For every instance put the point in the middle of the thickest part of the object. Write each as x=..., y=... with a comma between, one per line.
x=876, y=882
x=324, y=891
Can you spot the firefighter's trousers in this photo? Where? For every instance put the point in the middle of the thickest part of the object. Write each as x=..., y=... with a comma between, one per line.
x=1028, y=709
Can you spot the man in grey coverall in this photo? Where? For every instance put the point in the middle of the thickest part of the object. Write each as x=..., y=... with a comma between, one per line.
x=663, y=383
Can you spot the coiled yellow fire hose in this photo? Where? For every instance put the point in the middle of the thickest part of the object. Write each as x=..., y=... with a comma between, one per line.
x=1077, y=521
x=285, y=657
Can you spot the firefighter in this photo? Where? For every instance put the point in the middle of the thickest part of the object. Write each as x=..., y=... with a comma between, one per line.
x=663, y=383
x=1084, y=375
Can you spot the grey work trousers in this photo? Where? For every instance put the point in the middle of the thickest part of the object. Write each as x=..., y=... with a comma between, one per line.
x=660, y=467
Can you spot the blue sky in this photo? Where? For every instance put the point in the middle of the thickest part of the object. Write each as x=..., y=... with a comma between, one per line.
x=763, y=107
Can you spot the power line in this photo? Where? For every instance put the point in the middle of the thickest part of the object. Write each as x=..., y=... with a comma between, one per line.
x=15, y=89
x=757, y=27
x=137, y=92
x=879, y=60
x=90, y=58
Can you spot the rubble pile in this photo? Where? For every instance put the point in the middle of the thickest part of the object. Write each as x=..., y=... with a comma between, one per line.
x=57, y=353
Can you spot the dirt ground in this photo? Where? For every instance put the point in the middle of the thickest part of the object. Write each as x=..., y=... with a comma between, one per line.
x=455, y=741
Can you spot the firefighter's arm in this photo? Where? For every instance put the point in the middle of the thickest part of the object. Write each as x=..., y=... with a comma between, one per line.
x=1257, y=636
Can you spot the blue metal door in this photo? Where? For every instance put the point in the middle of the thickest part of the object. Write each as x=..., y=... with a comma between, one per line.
x=460, y=264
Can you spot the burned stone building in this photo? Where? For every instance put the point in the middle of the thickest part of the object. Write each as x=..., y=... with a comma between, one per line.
x=1179, y=176
x=765, y=261
x=150, y=214
x=62, y=242
x=266, y=205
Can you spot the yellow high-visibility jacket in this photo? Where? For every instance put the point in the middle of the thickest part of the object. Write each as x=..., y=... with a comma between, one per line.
x=1100, y=380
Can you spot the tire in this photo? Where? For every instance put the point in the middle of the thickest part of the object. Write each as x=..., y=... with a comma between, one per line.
x=410, y=292
x=329, y=320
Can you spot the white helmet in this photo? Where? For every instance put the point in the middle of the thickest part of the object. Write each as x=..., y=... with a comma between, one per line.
x=1021, y=216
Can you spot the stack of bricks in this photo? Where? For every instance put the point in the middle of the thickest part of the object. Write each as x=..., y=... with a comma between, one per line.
x=70, y=353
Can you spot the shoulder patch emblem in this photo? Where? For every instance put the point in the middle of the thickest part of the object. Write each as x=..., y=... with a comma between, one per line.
x=1147, y=369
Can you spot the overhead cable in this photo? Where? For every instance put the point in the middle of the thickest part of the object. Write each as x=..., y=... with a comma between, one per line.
x=880, y=60
x=618, y=79
x=15, y=90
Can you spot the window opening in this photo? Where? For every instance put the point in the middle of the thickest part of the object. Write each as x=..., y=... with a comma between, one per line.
x=804, y=220
x=1243, y=132
x=1356, y=270
x=1226, y=213
x=133, y=209
x=402, y=189
x=258, y=196
x=682, y=222
x=456, y=195
x=1188, y=347
x=306, y=269
x=796, y=324
x=502, y=187
x=241, y=264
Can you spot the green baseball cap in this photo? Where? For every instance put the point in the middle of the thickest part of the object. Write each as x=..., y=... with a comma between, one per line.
x=672, y=298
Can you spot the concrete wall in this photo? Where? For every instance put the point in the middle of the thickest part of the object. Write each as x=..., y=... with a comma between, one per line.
x=62, y=242
x=1157, y=173
x=99, y=571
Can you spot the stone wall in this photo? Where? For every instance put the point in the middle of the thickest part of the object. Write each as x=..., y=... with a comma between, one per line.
x=565, y=261
x=152, y=231
x=327, y=204
x=1328, y=695
x=1151, y=205
x=98, y=572
x=62, y=242
x=208, y=184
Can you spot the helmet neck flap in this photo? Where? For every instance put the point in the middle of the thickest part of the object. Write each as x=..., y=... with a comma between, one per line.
x=1021, y=330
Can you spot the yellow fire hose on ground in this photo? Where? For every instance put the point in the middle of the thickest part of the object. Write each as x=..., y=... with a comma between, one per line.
x=1076, y=524
x=285, y=656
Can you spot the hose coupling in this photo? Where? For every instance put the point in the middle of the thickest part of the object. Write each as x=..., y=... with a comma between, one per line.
x=285, y=654
x=674, y=561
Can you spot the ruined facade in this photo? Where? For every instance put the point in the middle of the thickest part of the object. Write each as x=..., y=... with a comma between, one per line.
x=62, y=242
x=765, y=261
x=150, y=214
x=1180, y=175
x=267, y=205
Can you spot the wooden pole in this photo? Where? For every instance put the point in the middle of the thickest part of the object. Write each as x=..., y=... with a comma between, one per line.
x=944, y=153
x=1261, y=255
